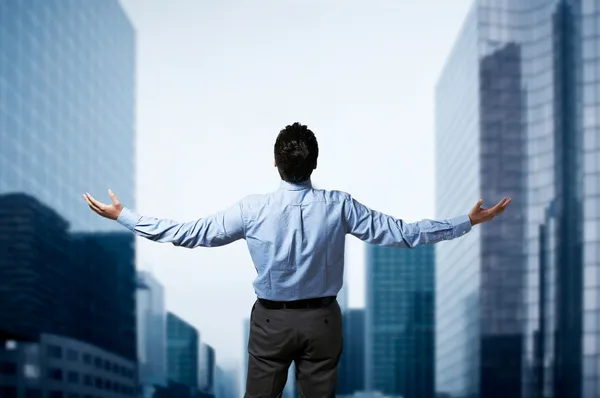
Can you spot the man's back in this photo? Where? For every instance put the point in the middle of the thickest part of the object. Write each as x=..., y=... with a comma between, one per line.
x=296, y=238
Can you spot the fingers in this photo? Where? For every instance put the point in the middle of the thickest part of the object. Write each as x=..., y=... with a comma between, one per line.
x=97, y=204
x=113, y=197
x=479, y=204
x=500, y=206
x=95, y=208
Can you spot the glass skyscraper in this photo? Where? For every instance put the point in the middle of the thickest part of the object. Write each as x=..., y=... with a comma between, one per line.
x=151, y=330
x=400, y=321
x=67, y=87
x=351, y=375
x=517, y=114
x=66, y=127
x=183, y=349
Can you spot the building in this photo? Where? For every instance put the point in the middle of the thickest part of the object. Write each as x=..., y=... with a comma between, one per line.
x=526, y=125
x=400, y=321
x=66, y=275
x=77, y=78
x=59, y=366
x=351, y=377
x=226, y=382
x=34, y=248
x=207, y=368
x=182, y=352
x=151, y=331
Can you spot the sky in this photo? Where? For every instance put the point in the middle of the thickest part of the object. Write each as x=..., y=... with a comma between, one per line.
x=217, y=80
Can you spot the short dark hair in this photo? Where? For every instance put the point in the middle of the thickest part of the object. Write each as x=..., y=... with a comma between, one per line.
x=296, y=153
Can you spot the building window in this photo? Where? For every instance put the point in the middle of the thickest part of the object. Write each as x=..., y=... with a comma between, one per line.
x=87, y=380
x=87, y=359
x=107, y=385
x=55, y=374
x=54, y=351
x=107, y=365
x=73, y=395
x=72, y=355
x=73, y=377
x=55, y=394
x=98, y=383
x=98, y=362
x=115, y=368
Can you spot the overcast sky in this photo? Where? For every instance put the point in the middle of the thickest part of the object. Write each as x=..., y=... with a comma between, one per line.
x=217, y=80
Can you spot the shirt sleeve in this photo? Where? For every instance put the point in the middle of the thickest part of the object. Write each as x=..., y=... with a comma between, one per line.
x=382, y=230
x=219, y=229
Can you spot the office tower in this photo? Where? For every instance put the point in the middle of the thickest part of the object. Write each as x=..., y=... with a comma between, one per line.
x=151, y=331
x=226, y=385
x=66, y=98
x=105, y=306
x=512, y=325
x=399, y=321
x=206, y=368
x=32, y=235
x=352, y=363
x=67, y=105
x=182, y=351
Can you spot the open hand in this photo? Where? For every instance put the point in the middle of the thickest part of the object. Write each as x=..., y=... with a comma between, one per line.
x=480, y=215
x=111, y=211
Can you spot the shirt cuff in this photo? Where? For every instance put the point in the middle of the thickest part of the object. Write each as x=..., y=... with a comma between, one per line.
x=128, y=218
x=460, y=226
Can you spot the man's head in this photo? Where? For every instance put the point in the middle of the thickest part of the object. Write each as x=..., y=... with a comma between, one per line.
x=296, y=153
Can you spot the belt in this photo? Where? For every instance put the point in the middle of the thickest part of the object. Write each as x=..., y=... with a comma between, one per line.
x=298, y=304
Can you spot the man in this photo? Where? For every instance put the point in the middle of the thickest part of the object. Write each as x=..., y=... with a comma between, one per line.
x=296, y=238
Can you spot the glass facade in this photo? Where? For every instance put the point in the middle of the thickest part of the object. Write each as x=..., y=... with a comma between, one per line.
x=352, y=363
x=67, y=84
x=183, y=351
x=151, y=330
x=66, y=127
x=400, y=321
x=458, y=180
x=531, y=275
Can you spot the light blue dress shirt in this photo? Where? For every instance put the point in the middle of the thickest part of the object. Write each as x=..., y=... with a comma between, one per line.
x=296, y=236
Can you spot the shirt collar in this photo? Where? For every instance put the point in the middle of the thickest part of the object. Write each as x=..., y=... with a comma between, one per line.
x=295, y=186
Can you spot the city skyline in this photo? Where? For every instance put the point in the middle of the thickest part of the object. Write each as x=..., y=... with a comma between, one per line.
x=175, y=107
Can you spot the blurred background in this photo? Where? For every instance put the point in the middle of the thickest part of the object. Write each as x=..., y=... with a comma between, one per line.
x=420, y=109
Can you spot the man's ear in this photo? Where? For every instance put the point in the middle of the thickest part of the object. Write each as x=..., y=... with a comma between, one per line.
x=274, y=163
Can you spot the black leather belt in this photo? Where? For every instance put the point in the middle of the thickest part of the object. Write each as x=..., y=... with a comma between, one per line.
x=298, y=304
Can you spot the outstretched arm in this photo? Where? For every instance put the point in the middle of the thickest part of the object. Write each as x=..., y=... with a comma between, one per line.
x=216, y=230
x=380, y=229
